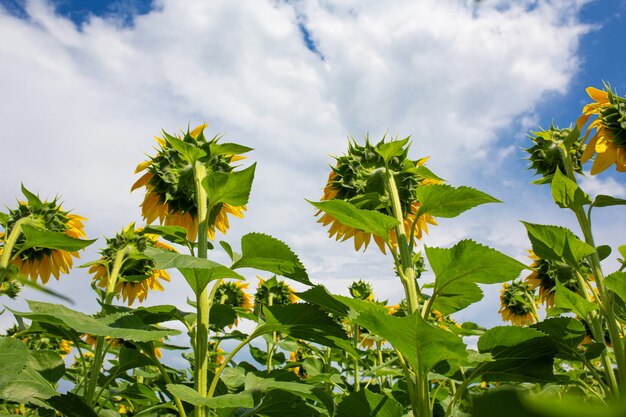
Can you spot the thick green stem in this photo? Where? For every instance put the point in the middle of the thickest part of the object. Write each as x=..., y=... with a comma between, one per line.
x=420, y=393
x=605, y=298
x=202, y=298
x=10, y=242
x=99, y=353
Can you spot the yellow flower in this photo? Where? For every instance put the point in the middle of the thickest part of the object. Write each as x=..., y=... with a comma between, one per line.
x=137, y=275
x=65, y=346
x=37, y=262
x=170, y=189
x=609, y=140
x=356, y=178
x=515, y=304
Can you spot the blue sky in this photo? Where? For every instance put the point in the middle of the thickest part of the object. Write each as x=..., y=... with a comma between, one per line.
x=90, y=83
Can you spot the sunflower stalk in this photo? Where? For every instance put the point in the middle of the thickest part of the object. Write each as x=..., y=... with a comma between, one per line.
x=420, y=393
x=203, y=303
x=11, y=240
x=100, y=352
x=605, y=298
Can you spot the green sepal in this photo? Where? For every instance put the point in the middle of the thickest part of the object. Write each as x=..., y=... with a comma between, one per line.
x=218, y=149
x=33, y=201
x=37, y=238
x=441, y=200
x=369, y=221
x=189, y=152
x=393, y=149
x=566, y=193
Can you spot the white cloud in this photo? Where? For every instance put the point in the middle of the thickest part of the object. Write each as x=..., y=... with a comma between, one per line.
x=594, y=185
x=80, y=106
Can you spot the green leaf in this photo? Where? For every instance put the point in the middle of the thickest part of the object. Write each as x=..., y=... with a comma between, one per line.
x=607, y=200
x=222, y=315
x=320, y=296
x=189, y=152
x=26, y=387
x=422, y=171
x=71, y=405
x=33, y=200
x=616, y=282
x=365, y=403
x=197, y=271
x=567, y=333
x=4, y=219
x=37, y=238
x=557, y=243
x=446, y=201
x=187, y=394
x=119, y=326
x=306, y=322
x=603, y=251
x=569, y=300
x=457, y=269
x=229, y=187
x=130, y=358
x=519, y=354
x=174, y=234
x=566, y=193
x=13, y=356
x=369, y=221
x=422, y=344
x=280, y=404
x=49, y=364
x=267, y=253
x=391, y=149
x=456, y=296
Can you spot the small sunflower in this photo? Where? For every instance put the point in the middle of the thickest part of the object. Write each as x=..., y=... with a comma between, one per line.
x=170, y=188
x=361, y=290
x=517, y=304
x=609, y=140
x=233, y=293
x=273, y=292
x=137, y=274
x=546, y=153
x=37, y=262
x=358, y=178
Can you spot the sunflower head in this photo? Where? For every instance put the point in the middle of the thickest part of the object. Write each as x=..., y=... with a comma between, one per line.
x=359, y=178
x=515, y=303
x=608, y=141
x=169, y=180
x=38, y=262
x=361, y=290
x=273, y=292
x=546, y=153
x=138, y=274
x=545, y=275
x=233, y=293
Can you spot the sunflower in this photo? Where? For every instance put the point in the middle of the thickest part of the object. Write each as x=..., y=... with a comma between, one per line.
x=38, y=262
x=361, y=290
x=546, y=154
x=273, y=292
x=517, y=304
x=545, y=275
x=170, y=187
x=609, y=140
x=137, y=274
x=358, y=178
x=233, y=293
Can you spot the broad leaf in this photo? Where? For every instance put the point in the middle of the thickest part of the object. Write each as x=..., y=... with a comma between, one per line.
x=231, y=188
x=119, y=326
x=287, y=382
x=369, y=221
x=267, y=253
x=446, y=201
x=49, y=364
x=26, y=387
x=189, y=152
x=280, y=404
x=567, y=333
x=519, y=354
x=557, y=243
x=616, y=282
x=456, y=296
x=365, y=403
x=197, y=271
x=391, y=149
x=320, y=296
x=569, y=300
x=174, y=234
x=228, y=149
x=13, y=356
x=37, y=238
x=566, y=193
x=71, y=405
x=422, y=344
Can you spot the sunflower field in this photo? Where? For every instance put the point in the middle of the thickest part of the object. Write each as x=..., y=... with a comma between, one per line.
x=323, y=354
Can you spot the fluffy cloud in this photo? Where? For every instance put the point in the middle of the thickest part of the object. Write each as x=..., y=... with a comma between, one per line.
x=82, y=103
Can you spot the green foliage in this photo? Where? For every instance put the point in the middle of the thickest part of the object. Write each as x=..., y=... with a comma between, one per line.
x=566, y=193
x=557, y=243
x=446, y=201
x=229, y=188
x=366, y=403
x=38, y=238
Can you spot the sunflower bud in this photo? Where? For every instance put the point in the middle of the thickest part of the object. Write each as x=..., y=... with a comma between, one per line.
x=361, y=290
x=273, y=292
x=546, y=273
x=546, y=153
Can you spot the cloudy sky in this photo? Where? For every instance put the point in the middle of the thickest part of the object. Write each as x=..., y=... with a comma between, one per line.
x=86, y=85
